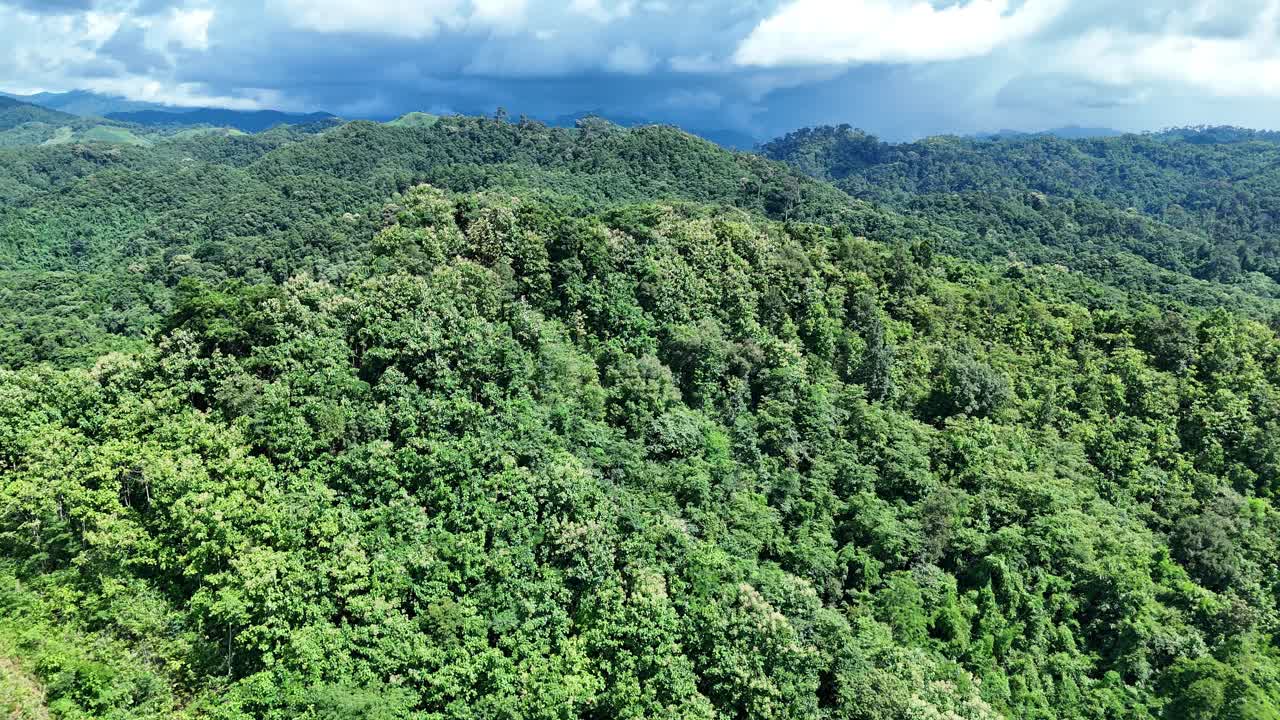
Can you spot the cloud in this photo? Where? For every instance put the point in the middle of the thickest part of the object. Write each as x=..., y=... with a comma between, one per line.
x=597, y=11
x=701, y=99
x=417, y=19
x=1051, y=92
x=1221, y=63
x=52, y=7
x=900, y=67
x=630, y=59
x=702, y=63
x=818, y=32
x=128, y=46
x=412, y=19
x=187, y=28
x=505, y=15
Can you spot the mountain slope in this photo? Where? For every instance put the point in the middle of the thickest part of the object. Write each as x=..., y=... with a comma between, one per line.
x=262, y=206
x=724, y=137
x=613, y=423
x=1199, y=203
x=123, y=227
x=250, y=121
x=14, y=113
x=23, y=124
x=653, y=461
x=85, y=103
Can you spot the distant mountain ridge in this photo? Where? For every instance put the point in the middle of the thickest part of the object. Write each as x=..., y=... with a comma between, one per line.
x=89, y=104
x=250, y=121
x=18, y=115
x=15, y=112
x=724, y=137
x=1069, y=132
x=84, y=103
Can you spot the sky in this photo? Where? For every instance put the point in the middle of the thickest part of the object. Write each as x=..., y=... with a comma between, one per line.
x=898, y=68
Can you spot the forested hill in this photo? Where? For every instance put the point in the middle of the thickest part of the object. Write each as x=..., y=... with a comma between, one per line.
x=613, y=423
x=243, y=120
x=93, y=237
x=1197, y=201
x=24, y=124
x=14, y=113
x=119, y=225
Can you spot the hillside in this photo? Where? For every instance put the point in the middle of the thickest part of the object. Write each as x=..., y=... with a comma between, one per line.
x=745, y=469
x=23, y=125
x=415, y=119
x=249, y=121
x=14, y=113
x=724, y=137
x=1203, y=203
x=262, y=207
x=471, y=419
x=84, y=103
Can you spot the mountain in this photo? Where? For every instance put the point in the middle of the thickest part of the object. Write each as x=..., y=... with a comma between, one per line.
x=457, y=418
x=731, y=139
x=24, y=124
x=1197, y=203
x=14, y=113
x=85, y=103
x=1071, y=132
x=415, y=119
x=250, y=121
x=89, y=104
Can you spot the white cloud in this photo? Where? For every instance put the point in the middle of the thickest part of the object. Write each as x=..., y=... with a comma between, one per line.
x=943, y=62
x=416, y=19
x=99, y=26
x=64, y=51
x=185, y=28
x=413, y=18
x=596, y=10
x=188, y=94
x=502, y=15
x=820, y=32
x=1216, y=64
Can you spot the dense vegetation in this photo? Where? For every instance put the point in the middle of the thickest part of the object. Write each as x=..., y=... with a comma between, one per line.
x=250, y=121
x=611, y=423
x=1199, y=202
x=94, y=237
x=25, y=125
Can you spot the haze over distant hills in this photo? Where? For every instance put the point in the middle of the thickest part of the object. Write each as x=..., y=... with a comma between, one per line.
x=1070, y=132
x=15, y=112
x=245, y=120
x=86, y=103
x=732, y=139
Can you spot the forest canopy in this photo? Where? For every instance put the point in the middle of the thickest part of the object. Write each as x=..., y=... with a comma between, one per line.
x=479, y=419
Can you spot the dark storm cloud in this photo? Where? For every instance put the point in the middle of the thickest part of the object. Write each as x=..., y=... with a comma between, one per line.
x=898, y=67
x=128, y=47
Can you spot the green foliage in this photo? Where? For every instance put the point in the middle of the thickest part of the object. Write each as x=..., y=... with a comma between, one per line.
x=600, y=441
x=1164, y=212
x=261, y=208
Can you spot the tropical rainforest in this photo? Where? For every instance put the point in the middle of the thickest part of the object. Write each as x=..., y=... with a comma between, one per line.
x=459, y=417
